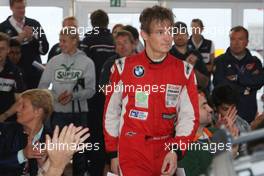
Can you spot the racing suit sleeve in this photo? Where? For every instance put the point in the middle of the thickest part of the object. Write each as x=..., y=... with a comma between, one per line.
x=188, y=117
x=112, y=112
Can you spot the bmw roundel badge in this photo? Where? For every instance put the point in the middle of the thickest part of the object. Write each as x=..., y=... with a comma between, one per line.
x=139, y=71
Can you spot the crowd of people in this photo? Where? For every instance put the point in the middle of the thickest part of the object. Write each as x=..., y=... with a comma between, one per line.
x=131, y=104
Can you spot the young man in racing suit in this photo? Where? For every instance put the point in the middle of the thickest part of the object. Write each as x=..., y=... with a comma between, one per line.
x=151, y=104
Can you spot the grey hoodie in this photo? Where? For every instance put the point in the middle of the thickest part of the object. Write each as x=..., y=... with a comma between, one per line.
x=62, y=72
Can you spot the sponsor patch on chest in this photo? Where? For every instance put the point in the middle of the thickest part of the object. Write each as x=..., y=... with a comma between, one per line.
x=141, y=99
x=140, y=115
x=139, y=71
x=172, y=95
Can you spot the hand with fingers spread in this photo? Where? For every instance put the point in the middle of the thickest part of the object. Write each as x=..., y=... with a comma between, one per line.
x=231, y=116
x=58, y=158
x=228, y=119
x=169, y=165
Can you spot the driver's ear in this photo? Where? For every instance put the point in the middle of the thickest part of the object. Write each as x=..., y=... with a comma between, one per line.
x=144, y=35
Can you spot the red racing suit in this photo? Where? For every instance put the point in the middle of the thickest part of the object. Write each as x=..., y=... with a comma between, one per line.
x=149, y=106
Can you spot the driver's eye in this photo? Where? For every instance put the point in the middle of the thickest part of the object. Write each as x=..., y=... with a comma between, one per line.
x=159, y=32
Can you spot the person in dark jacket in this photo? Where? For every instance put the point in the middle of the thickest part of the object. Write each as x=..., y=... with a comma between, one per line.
x=32, y=38
x=181, y=51
x=242, y=70
x=11, y=81
x=98, y=44
x=204, y=46
x=125, y=46
x=19, y=152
